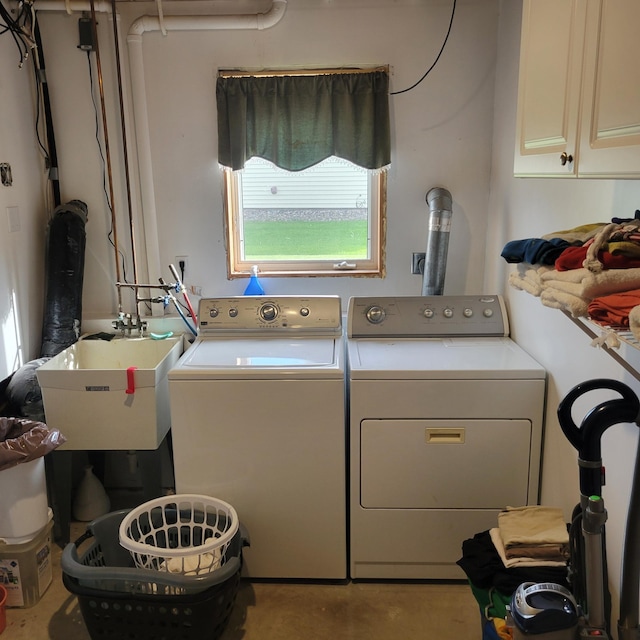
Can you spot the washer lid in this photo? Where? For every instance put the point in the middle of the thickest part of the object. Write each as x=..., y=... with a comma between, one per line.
x=308, y=357
x=440, y=358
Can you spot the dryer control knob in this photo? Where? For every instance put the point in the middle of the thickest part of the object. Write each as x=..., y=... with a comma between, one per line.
x=428, y=313
x=375, y=314
x=304, y=312
x=468, y=312
x=448, y=313
x=213, y=313
x=487, y=313
x=233, y=312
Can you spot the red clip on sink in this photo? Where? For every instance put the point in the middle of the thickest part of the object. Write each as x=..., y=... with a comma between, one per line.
x=131, y=385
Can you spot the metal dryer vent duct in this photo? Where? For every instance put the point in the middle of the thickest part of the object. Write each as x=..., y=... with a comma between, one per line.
x=435, y=259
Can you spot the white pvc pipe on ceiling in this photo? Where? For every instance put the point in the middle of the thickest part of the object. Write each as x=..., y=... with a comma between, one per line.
x=142, y=25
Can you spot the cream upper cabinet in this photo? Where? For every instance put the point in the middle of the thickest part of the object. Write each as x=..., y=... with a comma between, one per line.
x=610, y=131
x=579, y=89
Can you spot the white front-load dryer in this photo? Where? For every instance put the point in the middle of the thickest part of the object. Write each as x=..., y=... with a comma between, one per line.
x=258, y=420
x=445, y=430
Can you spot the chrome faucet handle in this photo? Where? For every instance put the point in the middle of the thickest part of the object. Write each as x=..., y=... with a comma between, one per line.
x=119, y=324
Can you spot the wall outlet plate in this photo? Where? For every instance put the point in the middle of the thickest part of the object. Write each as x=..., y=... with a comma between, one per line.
x=417, y=263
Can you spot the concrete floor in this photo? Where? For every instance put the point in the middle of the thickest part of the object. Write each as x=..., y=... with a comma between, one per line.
x=270, y=611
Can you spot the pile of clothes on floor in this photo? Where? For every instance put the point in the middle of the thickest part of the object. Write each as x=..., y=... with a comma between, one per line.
x=590, y=271
x=529, y=544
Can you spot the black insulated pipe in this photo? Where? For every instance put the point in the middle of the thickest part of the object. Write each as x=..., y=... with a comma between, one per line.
x=41, y=78
x=64, y=273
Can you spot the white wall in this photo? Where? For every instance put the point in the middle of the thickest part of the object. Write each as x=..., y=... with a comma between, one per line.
x=22, y=243
x=441, y=131
x=530, y=207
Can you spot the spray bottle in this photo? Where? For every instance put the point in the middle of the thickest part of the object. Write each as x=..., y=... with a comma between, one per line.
x=254, y=288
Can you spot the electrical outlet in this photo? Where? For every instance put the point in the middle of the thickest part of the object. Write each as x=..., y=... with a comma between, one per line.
x=182, y=267
x=417, y=263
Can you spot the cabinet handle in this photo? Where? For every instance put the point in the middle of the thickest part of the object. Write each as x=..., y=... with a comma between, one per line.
x=564, y=158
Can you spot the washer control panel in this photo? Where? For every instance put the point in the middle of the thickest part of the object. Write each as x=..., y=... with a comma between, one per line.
x=318, y=315
x=427, y=316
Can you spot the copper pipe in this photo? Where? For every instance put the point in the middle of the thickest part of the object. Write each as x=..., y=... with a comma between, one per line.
x=116, y=40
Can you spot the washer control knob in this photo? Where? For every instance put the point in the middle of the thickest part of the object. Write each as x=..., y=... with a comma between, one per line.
x=375, y=314
x=448, y=312
x=233, y=312
x=428, y=313
x=487, y=313
x=268, y=312
x=213, y=312
x=304, y=312
x=468, y=312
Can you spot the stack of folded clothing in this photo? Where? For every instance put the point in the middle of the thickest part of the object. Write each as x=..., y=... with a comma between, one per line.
x=530, y=544
x=584, y=271
x=531, y=536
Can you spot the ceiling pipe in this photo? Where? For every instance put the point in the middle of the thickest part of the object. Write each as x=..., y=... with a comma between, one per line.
x=209, y=23
x=100, y=6
x=140, y=26
x=143, y=25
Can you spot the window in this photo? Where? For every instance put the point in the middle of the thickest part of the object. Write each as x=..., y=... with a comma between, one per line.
x=304, y=161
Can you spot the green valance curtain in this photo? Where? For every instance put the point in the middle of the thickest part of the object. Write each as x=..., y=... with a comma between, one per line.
x=297, y=121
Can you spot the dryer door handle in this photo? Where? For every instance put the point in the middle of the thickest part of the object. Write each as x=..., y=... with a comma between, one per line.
x=442, y=435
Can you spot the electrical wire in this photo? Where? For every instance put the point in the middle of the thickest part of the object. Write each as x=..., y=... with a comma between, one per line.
x=435, y=62
x=20, y=28
x=21, y=23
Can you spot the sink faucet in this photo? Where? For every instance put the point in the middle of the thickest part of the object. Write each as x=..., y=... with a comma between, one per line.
x=126, y=324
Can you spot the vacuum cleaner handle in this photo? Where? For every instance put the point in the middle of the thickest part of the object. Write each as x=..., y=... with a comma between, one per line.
x=587, y=438
x=624, y=410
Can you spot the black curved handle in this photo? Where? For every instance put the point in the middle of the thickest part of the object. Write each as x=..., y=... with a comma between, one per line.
x=625, y=409
x=587, y=438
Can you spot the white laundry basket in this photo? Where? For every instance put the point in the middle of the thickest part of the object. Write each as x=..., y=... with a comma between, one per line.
x=186, y=534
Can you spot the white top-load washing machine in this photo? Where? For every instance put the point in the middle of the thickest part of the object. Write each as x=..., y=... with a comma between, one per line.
x=446, y=416
x=258, y=420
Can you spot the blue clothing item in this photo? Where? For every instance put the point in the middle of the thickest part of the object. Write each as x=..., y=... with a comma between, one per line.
x=534, y=250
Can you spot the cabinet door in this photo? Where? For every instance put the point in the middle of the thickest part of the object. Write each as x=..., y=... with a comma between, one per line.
x=549, y=89
x=610, y=131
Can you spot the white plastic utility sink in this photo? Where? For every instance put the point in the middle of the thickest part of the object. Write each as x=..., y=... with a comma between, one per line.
x=107, y=395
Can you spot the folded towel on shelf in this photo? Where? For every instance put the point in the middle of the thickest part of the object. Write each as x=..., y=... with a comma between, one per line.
x=556, y=299
x=532, y=525
x=578, y=235
x=533, y=250
x=583, y=283
x=617, y=238
x=613, y=310
x=634, y=322
x=511, y=563
x=576, y=258
x=526, y=277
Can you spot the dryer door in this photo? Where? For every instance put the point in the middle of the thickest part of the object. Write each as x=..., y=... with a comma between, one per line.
x=444, y=464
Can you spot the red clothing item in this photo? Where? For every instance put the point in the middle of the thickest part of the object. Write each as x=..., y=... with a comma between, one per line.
x=573, y=257
x=613, y=310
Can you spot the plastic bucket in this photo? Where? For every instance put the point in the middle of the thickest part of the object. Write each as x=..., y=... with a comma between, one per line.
x=23, y=501
x=3, y=609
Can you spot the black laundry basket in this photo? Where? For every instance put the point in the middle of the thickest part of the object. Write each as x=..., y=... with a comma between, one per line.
x=118, y=600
